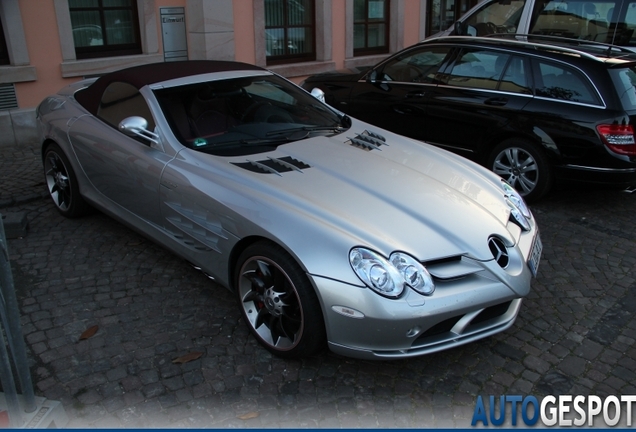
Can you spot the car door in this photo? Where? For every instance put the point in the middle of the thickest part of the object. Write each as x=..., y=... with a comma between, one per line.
x=566, y=110
x=480, y=95
x=122, y=169
x=393, y=95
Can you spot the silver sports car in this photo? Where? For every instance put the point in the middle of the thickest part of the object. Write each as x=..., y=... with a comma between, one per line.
x=329, y=230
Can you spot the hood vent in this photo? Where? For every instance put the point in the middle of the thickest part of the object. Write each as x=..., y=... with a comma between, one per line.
x=368, y=140
x=273, y=165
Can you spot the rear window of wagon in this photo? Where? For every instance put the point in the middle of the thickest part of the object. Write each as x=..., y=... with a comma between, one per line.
x=624, y=80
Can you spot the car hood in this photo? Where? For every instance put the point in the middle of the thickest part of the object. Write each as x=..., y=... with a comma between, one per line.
x=405, y=195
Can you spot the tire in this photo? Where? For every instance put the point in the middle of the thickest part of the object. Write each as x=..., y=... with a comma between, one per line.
x=62, y=185
x=278, y=303
x=524, y=166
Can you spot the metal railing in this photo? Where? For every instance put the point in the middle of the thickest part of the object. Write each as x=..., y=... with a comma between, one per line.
x=12, y=347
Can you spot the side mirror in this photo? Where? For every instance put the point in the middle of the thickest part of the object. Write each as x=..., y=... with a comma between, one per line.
x=138, y=126
x=459, y=28
x=318, y=94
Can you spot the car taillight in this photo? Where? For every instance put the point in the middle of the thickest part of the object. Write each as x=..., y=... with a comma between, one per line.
x=619, y=138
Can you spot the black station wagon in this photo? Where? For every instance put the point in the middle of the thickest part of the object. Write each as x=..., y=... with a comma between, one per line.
x=532, y=111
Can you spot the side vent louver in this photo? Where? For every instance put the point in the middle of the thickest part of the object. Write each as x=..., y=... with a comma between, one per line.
x=273, y=165
x=368, y=140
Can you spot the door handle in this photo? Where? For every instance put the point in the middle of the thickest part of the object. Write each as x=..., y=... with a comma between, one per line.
x=498, y=101
x=418, y=94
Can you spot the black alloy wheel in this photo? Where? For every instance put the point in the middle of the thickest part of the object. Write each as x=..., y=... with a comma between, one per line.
x=277, y=301
x=524, y=166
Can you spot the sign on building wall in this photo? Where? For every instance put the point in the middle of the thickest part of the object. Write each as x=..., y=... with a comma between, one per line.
x=173, y=31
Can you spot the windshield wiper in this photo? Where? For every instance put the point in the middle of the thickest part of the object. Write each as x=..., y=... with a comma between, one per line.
x=251, y=142
x=307, y=129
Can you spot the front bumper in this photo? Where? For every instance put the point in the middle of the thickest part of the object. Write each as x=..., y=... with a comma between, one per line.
x=362, y=324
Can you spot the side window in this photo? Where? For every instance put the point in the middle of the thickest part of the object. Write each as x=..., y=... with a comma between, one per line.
x=121, y=100
x=625, y=83
x=558, y=81
x=515, y=78
x=625, y=26
x=589, y=20
x=419, y=66
x=478, y=69
x=496, y=17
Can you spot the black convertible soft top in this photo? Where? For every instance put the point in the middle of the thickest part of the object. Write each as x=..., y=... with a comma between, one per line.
x=140, y=76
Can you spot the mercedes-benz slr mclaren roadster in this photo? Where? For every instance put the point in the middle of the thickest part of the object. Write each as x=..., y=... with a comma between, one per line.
x=329, y=230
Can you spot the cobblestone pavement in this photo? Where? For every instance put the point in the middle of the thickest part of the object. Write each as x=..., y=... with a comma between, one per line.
x=575, y=333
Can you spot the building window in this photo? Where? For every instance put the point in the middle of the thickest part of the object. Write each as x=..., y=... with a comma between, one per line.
x=289, y=31
x=370, y=27
x=4, y=52
x=105, y=28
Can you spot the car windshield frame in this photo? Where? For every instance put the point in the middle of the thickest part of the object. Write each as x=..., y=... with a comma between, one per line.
x=244, y=115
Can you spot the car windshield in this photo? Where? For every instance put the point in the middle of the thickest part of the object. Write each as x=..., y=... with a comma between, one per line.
x=245, y=115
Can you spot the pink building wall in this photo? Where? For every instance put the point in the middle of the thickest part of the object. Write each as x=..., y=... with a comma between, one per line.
x=42, y=39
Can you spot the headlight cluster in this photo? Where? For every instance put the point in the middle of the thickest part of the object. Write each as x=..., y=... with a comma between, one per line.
x=389, y=277
x=518, y=208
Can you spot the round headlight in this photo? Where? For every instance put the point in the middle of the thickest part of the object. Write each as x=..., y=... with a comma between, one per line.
x=414, y=273
x=376, y=272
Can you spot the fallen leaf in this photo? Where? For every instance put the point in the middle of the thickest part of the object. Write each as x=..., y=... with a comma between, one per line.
x=248, y=416
x=89, y=332
x=188, y=357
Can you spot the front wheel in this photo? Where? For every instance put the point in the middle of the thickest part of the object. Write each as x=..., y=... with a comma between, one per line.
x=277, y=301
x=522, y=165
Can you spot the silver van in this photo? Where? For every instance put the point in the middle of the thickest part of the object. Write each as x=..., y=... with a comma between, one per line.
x=607, y=21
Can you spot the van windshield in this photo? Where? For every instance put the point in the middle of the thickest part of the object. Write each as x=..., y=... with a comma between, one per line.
x=606, y=21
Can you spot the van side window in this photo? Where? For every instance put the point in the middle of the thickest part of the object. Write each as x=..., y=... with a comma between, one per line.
x=556, y=81
x=588, y=20
x=496, y=17
x=418, y=66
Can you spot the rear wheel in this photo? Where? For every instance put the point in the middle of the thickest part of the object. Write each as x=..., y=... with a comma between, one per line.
x=277, y=301
x=61, y=183
x=524, y=166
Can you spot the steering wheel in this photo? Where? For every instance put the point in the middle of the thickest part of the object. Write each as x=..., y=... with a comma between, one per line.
x=491, y=28
x=485, y=28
